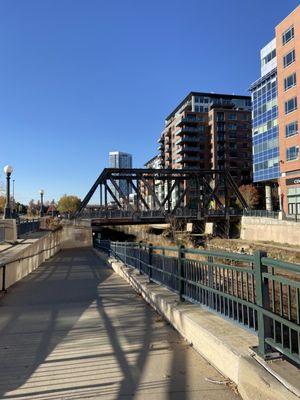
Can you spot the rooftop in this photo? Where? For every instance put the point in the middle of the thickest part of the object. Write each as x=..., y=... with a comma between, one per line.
x=205, y=94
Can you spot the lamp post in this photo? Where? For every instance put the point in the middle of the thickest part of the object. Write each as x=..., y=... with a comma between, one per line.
x=42, y=205
x=13, y=196
x=7, y=210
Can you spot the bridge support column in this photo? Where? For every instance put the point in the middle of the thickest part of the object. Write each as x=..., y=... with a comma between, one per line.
x=269, y=203
x=209, y=228
x=189, y=227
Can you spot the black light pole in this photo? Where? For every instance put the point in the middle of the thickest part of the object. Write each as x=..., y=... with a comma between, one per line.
x=42, y=205
x=7, y=210
x=13, y=196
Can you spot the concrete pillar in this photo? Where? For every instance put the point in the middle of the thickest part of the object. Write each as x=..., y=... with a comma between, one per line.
x=280, y=198
x=269, y=204
x=193, y=103
x=10, y=230
x=209, y=228
x=189, y=227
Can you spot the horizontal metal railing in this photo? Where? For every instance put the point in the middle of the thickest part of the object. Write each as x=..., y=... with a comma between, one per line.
x=2, y=234
x=158, y=214
x=261, y=213
x=27, y=226
x=256, y=291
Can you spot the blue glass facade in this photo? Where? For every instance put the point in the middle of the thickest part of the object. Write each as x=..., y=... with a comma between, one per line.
x=265, y=128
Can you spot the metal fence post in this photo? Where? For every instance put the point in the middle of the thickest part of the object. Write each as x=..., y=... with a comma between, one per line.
x=3, y=278
x=125, y=253
x=150, y=261
x=140, y=261
x=262, y=300
x=210, y=280
x=181, y=256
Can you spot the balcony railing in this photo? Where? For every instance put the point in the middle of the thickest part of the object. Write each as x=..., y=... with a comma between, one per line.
x=188, y=120
x=185, y=129
x=189, y=149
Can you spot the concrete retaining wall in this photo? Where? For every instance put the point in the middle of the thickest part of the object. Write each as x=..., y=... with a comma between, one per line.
x=38, y=248
x=269, y=229
x=76, y=236
x=223, y=344
x=29, y=256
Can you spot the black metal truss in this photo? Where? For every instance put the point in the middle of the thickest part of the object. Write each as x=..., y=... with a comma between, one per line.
x=196, y=188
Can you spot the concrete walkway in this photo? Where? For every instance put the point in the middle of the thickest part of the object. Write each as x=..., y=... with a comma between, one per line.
x=73, y=329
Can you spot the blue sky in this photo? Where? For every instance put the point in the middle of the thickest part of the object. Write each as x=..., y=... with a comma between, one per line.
x=82, y=77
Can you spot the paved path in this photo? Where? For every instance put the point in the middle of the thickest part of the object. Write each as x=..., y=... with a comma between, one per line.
x=73, y=329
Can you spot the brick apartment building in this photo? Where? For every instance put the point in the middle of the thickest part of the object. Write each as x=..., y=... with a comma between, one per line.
x=209, y=131
x=276, y=114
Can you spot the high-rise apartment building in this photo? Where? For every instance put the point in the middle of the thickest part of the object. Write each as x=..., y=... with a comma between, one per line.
x=276, y=114
x=209, y=131
x=118, y=159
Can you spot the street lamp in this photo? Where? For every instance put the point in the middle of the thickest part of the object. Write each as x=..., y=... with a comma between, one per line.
x=7, y=210
x=42, y=205
x=13, y=196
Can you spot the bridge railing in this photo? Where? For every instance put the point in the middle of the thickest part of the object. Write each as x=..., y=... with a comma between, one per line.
x=27, y=226
x=152, y=214
x=261, y=213
x=257, y=292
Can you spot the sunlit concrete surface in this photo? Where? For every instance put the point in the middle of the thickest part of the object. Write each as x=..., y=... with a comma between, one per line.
x=73, y=329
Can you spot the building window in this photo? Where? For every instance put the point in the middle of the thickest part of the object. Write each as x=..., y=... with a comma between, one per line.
x=291, y=129
x=232, y=127
x=289, y=58
x=220, y=116
x=290, y=81
x=290, y=105
x=245, y=117
x=292, y=153
x=232, y=117
x=269, y=57
x=287, y=35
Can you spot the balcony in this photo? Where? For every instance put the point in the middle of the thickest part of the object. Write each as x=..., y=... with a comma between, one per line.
x=161, y=147
x=189, y=149
x=190, y=139
x=187, y=129
x=161, y=138
x=187, y=158
x=188, y=120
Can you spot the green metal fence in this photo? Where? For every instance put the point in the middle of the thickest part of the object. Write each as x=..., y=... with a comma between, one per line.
x=258, y=292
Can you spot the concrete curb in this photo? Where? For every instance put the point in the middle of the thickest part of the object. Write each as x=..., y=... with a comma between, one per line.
x=222, y=343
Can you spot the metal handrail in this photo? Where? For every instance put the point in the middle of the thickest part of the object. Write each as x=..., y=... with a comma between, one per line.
x=256, y=291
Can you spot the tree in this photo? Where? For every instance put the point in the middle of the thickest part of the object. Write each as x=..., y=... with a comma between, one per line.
x=68, y=204
x=250, y=194
x=33, y=208
x=2, y=203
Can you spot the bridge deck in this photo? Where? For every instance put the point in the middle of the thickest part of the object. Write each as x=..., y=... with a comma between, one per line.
x=73, y=329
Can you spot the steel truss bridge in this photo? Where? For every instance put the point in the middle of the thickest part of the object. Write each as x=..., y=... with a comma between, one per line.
x=161, y=196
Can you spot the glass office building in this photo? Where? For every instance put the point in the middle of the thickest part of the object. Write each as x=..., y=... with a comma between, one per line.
x=119, y=159
x=265, y=118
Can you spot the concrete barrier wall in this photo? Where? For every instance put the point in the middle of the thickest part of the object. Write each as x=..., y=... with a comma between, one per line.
x=271, y=230
x=76, y=236
x=34, y=253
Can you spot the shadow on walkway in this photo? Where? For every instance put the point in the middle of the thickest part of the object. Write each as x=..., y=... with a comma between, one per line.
x=75, y=330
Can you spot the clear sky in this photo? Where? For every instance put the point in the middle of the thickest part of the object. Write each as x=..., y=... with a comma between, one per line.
x=79, y=78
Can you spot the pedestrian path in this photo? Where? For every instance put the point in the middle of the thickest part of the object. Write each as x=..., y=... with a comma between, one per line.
x=73, y=329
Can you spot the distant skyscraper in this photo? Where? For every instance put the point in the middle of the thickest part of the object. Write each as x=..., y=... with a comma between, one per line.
x=118, y=159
